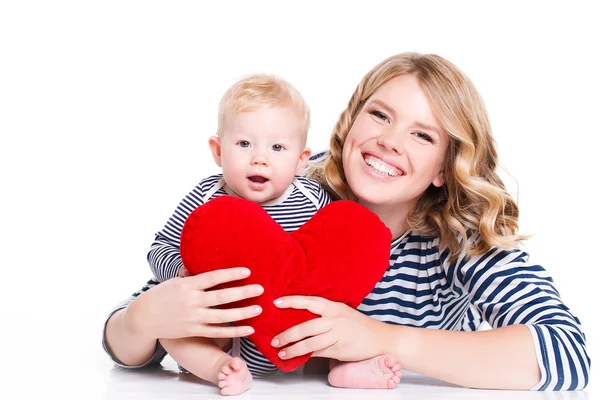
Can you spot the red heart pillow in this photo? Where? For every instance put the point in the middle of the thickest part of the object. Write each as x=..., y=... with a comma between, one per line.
x=339, y=254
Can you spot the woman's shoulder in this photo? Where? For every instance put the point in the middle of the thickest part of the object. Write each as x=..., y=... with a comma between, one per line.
x=428, y=245
x=421, y=252
x=316, y=190
x=318, y=157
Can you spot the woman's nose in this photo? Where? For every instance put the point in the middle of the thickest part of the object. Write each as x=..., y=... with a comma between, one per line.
x=392, y=141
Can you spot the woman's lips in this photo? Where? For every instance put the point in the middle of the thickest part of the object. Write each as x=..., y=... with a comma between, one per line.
x=382, y=167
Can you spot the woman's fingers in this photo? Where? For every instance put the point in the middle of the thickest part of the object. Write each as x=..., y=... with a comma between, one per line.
x=220, y=316
x=316, y=305
x=304, y=330
x=230, y=295
x=216, y=331
x=210, y=279
x=313, y=344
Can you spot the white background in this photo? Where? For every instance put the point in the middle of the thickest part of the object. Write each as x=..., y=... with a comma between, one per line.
x=106, y=108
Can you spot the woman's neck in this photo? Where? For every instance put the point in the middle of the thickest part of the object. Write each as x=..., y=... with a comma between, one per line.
x=393, y=217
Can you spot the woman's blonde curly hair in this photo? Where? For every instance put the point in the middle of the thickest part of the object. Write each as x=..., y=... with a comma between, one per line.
x=473, y=199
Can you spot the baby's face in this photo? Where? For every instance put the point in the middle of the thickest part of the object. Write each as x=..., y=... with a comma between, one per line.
x=261, y=151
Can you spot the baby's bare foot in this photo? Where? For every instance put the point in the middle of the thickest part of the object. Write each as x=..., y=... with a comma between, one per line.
x=234, y=377
x=379, y=372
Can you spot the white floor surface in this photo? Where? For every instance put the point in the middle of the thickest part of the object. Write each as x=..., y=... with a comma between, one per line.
x=61, y=357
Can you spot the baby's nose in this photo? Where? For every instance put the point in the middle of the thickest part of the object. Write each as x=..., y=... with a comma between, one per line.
x=259, y=159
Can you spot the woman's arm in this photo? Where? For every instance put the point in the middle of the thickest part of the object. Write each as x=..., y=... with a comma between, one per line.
x=180, y=307
x=501, y=358
x=126, y=345
x=506, y=290
x=496, y=359
x=535, y=335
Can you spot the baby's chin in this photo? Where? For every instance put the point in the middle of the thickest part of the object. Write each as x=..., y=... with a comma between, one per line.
x=259, y=198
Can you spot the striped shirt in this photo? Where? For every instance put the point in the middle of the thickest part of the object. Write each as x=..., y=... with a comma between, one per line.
x=291, y=210
x=422, y=288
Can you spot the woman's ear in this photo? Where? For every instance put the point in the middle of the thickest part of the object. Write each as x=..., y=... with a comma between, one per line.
x=439, y=180
x=303, y=160
x=215, y=148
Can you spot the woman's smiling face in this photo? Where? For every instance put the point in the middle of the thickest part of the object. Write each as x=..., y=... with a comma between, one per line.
x=395, y=148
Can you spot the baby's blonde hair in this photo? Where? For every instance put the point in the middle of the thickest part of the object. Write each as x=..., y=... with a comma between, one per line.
x=258, y=91
x=473, y=198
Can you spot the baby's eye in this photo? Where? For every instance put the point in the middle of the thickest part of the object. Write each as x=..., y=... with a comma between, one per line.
x=244, y=143
x=277, y=147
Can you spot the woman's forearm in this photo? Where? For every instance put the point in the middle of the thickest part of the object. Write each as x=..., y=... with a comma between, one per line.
x=126, y=343
x=502, y=358
x=178, y=308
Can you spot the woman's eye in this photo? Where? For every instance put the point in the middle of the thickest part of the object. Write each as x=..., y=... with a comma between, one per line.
x=379, y=115
x=424, y=136
x=244, y=143
x=277, y=147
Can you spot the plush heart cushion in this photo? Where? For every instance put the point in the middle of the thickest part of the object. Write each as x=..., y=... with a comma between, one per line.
x=339, y=254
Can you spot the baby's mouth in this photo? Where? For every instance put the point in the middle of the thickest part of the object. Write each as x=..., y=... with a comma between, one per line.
x=258, y=179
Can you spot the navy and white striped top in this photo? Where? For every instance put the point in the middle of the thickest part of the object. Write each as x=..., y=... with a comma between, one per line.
x=422, y=288
x=291, y=210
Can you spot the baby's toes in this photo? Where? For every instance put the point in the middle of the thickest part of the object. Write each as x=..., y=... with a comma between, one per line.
x=226, y=370
x=390, y=361
x=236, y=364
x=391, y=383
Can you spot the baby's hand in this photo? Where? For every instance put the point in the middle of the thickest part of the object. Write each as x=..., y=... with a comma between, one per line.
x=183, y=272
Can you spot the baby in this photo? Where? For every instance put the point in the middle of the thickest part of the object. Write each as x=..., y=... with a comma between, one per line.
x=261, y=148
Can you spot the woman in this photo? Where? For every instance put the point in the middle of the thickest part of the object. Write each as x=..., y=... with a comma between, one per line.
x=414, y=146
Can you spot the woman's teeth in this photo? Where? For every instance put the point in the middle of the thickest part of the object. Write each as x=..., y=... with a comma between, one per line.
x=381, y=167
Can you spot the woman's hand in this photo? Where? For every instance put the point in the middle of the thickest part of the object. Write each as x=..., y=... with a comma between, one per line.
x=181, y=307
x=178, y=308
x=342, y=333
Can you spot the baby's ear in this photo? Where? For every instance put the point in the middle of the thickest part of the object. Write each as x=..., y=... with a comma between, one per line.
x=215, y=148
x=303, y=160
